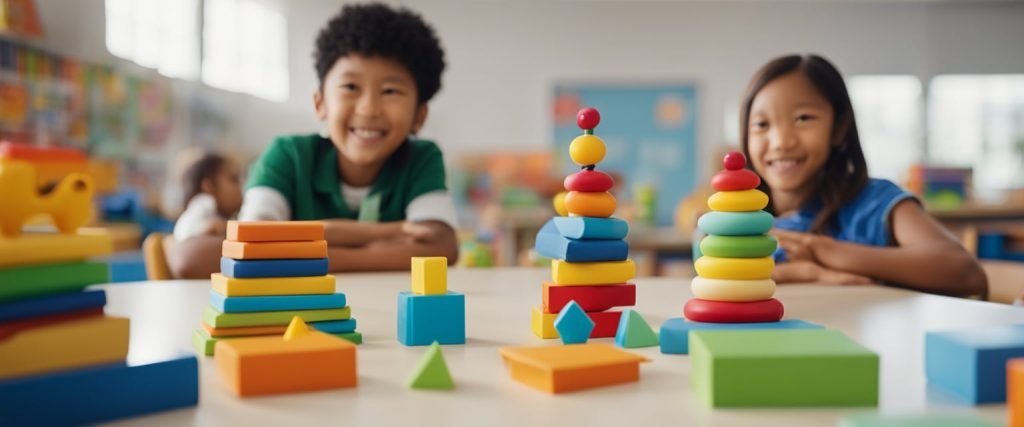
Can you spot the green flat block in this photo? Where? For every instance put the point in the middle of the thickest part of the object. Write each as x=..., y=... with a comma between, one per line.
x=204, y=343
x=738, y=246
x=50, y=279
x=217, y=319
x=354, y=337
x=928, y=420
x=795, y=367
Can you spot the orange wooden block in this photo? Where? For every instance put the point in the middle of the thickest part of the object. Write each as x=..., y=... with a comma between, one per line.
x=33, y=154
x=274, y=250
x=275, y=231
x=558, y=369
x=1015, y=391
x=242, y=331
x=580, y=203
x=268, y=365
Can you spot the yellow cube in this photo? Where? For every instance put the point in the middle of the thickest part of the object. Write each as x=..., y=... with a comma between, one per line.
x=430, y=275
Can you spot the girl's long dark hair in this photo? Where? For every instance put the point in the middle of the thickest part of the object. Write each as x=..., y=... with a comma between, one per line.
x=845, y=172
x=205, y=168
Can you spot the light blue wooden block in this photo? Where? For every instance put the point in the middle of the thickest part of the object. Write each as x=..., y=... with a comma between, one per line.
x=573, y=324
x=674, y=335
x=582, y=227
x=227, y=304
x=970, y=364
x=550, y=243
x=423, y=319
x=736, y=223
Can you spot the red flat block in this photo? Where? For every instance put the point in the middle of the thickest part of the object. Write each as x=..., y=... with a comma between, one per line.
x=32, y=154
x=698, y=310
x=11, y=328
x=735, y=180
x=606, y=323
x=590, y=298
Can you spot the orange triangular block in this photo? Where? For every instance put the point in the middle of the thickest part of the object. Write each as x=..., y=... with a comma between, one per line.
x=297, y=328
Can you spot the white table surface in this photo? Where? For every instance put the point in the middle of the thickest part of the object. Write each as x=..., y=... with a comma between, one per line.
x=889, y=321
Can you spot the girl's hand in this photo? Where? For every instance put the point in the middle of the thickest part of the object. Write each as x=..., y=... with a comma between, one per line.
x=799, y=246
x=809, y=271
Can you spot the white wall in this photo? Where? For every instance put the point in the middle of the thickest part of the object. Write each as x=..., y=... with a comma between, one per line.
x=505, y=56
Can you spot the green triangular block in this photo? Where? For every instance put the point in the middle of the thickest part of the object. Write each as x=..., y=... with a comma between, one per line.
x=634, y=332
x=432, y=372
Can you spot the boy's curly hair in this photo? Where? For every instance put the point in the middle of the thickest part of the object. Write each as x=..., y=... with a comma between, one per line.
x=376, y=30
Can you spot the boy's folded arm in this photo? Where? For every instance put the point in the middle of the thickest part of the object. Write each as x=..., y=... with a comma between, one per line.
x=352, y=233
x=193, y=258
x=394, y=254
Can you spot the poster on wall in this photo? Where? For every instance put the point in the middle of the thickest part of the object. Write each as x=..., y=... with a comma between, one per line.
x=650, y=131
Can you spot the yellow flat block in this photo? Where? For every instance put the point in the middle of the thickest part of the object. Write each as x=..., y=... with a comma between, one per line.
x=430, y=275
x=47, y=248
x=543, y=324
x=732, y=290
x=738, y=201
x=64, y=345
x=236, y=287
x=592, y=273
x=734, y=268
x=268, y=365
x=274, y=250
x=563, y=368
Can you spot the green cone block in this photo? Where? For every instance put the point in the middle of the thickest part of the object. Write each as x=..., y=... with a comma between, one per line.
x=634, y=332
x=431, y=372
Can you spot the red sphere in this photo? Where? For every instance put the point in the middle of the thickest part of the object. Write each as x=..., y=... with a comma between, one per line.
x=588, y=118
x=734, y=161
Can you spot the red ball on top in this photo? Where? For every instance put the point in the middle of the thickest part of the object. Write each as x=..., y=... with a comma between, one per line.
x=734, y=161
x=588, y=118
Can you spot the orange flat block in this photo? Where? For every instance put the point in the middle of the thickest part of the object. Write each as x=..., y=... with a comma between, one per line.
x=244, y=331
x=268, y=365
x=33, y=154
x=1015, y=391
x=274, y=250
x=564, y=368
x=275, y=231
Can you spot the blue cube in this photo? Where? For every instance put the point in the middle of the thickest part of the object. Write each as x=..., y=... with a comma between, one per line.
x=423, y=319
x=971, y=364
x=674, y=336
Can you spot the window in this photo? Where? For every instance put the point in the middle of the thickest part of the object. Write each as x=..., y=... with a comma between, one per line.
x=890, y=121
x=245, y=48
x=978, y=121
x=155, y=34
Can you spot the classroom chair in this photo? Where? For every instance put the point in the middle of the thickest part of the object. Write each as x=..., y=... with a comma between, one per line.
x=156, y=259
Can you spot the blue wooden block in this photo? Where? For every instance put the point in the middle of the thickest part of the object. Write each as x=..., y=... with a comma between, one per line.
x=423, y=319
x=226, y=304
x=971, y=364
x=573, y=324
x=99, y=393
x=335, y=326
x=53, y=304
x=582, y=227
x=273, y=267
x=551, y=244
x=674, y=336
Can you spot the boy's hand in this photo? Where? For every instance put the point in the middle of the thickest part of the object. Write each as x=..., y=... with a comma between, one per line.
x=800, y=246
x=218, y=227
x=418, y=232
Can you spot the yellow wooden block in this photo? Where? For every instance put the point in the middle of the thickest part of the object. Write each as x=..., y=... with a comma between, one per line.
x=734, y=268
x=732, y=290
x=64, y=345
x=236, y=287
x=51, y=248
x=738, y=201
x=592, y=273
x=543, y=324
x=564, y=368
x=430, y=275
x=272, y=364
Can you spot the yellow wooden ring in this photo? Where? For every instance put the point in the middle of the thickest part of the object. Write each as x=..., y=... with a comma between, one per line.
x=734, y=268
x=738, y=201
x=580, y=203
x=732, y=290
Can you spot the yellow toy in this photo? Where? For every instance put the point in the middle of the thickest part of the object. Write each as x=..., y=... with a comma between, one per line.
x=69, y=203
x=710, y=267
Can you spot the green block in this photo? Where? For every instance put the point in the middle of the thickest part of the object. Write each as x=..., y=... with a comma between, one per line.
x=217, y=319
x=794, y=367
x=634, y=332
x=431, y=372
x=739, y=246
x=934, y=420
x=354, y=337
x=204, y=343
x=50, y=279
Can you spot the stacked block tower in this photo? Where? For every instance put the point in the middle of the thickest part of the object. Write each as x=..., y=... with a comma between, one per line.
x=272, y=271
x=590, y=263
x=64, y=360
x=430, y=312
x=733, y=288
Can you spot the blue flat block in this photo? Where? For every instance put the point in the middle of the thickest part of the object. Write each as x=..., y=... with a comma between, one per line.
x=53, y=304
x=335, y=326
x=127, y=267
x=581, y=227
x=225, y=304
x=99, y=393
x=674, y=336
x=423, y=319
x=273, y=267
x=971, y=364
x=551, y=244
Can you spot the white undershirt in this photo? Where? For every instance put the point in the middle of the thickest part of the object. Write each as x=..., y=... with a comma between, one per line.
x=198, y=217
x=354, y=196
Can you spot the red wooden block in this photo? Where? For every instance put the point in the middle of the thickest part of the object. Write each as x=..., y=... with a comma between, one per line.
x=588, y=181
x=33, y=154
x=590, y=298
x=11, y=328
x=606, y=323
x=698, y=310
x=737, y=180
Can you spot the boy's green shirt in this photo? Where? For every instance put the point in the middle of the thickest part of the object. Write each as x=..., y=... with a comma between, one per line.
x=304, y=169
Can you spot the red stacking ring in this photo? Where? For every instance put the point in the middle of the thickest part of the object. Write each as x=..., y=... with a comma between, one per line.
x=737, y=180
x=698, y=310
